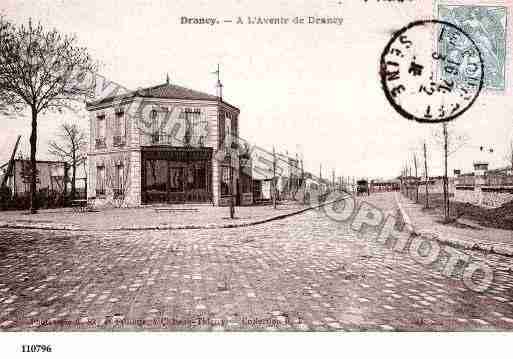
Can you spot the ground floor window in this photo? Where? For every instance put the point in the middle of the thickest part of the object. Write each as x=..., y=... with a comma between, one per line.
x=156, y=175
x=225, y=180
x=176, y=179
x=120, y=180
x=100, y=180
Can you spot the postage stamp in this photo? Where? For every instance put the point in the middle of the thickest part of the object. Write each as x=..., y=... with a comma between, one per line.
x=409, y=71
x=486, y=25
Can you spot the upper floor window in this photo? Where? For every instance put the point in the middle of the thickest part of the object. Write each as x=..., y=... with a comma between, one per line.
x=119, y=131
x=228, y=130
x=100, y=126
x=100, y=131
x=154, y=118
x=191, y=121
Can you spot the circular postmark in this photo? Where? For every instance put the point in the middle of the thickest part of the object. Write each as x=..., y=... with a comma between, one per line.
x=431, y=71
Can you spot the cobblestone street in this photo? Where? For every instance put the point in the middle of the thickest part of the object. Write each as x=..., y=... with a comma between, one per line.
x=305, y=272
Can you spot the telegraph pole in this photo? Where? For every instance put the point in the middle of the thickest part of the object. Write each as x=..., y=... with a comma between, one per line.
x=274, y=178
x=232, y=207
x=303, y=186
x=416, y=178
x=446, y=185
x=410, y=175
x=426, y=173
x=302, y=174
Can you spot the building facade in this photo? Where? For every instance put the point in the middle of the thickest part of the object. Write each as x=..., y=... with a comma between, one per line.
x=163, y=144
x=50, y=177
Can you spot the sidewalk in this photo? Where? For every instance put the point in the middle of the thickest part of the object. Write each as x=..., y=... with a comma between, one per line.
x=168, y=217
x=463, y=233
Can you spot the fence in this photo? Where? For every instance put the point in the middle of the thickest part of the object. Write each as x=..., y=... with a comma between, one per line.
x=489, y=180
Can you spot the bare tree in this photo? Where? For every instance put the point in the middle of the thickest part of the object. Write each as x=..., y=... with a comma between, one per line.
x=40, y=70
x=451, y=141
x=416, y=178
x=71, y=149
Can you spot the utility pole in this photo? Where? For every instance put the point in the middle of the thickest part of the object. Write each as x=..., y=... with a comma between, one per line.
x=303, y=186
x=230, y=187
x=416, y=178
x=302, y=174
x=296, y=180
x=232, y=207
x=426, y=174
x=274, y=178
x=446, y=185
x=406, y=178
x=333, y=180
x=290, y=173
x=409, y=177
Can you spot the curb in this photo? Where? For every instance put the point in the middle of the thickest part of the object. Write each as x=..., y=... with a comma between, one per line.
x=488, y=248
x=73, y=228
x=405, y=217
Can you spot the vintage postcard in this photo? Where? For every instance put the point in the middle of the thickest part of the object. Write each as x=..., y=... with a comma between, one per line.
x=237, y=166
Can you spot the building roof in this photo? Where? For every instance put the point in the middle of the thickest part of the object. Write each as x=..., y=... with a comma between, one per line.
x=163, y=91
x=175, y=92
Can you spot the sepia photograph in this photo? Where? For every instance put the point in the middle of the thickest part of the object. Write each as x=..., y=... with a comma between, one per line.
x=199, y=173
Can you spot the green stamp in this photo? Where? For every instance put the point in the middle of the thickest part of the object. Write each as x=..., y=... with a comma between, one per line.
x=486, y=25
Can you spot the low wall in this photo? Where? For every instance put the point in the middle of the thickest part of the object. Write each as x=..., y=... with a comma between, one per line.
x=484, y=196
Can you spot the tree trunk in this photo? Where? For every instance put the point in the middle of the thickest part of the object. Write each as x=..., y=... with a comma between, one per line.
x=416, y=179
x=232, y=208
x=33, y=163
x=73, y=176
x=445, y=181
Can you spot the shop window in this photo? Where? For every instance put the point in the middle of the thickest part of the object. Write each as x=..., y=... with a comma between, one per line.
x=156, y=175
x=176, y=179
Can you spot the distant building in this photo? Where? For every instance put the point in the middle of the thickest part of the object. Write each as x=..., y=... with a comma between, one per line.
x=385, y=186
x=51, y=177
x=163, y=144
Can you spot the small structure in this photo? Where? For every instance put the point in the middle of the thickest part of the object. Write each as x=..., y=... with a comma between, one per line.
x=246, y=193
x=485, y=187
x=385, y=186
x=362, y=187
x=262, y=187
x=51, y=180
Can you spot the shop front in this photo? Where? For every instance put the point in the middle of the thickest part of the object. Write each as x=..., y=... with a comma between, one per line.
x=176, y=174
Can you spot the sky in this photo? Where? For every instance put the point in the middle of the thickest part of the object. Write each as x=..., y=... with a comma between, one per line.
x=312, y=89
